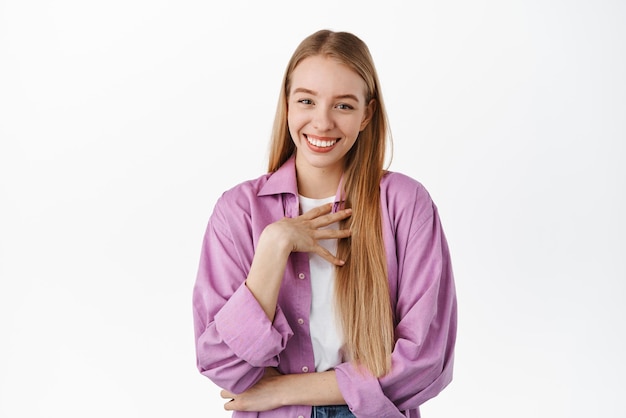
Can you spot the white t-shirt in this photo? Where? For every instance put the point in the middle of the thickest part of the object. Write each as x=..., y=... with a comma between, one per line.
x=324, y=328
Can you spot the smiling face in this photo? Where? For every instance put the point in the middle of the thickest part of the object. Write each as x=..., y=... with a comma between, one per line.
x=327, y=109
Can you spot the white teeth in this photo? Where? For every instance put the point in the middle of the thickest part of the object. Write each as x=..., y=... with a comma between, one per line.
x=320, y=143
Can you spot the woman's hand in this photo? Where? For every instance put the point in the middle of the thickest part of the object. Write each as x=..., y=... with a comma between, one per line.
x=263, y=396
x=302, y=234
x=283, y=237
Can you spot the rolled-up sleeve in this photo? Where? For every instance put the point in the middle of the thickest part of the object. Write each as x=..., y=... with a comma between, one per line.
x=235, y=340
x=426, y=320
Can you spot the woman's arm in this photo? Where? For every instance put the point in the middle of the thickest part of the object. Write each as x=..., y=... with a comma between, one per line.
x=426, y=309
x=239, y=329
x=275, y=390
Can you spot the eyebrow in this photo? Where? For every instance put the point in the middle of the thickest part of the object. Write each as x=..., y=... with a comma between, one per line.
x=314, y=93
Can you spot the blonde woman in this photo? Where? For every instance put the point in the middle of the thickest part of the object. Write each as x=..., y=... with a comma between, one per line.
x=325, y=287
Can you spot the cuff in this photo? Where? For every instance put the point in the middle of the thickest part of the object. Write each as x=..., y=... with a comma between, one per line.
x=246, y=329
x=363, y=393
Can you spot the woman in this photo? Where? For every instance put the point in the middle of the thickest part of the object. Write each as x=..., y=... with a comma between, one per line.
x=325, y=287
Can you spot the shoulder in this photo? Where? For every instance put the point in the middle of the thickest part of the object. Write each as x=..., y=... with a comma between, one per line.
x=394, y=181
x=269, y=185
x=404, y=188
x=248, y=188
x=241, y=196
x=405, y=198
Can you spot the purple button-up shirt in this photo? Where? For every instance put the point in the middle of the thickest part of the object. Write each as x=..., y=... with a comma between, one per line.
x=235, y=340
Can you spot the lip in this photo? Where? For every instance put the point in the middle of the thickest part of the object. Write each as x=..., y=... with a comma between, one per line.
x=321, y=149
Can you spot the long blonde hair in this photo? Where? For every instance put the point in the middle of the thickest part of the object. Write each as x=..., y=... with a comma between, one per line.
x=361, y=286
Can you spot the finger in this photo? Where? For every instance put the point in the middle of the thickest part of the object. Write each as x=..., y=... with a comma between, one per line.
x=230, y=405
x=331, y=234
x=330, y=218
x=226, y=394
x=328, y=256
x=317, y=212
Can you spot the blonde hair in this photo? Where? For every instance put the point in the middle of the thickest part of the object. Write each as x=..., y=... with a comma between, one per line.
x=361, y=286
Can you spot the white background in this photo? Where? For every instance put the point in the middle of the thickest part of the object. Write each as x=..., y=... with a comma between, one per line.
x=121, y=122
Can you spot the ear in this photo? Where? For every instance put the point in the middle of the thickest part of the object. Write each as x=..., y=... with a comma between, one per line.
x=369, y=113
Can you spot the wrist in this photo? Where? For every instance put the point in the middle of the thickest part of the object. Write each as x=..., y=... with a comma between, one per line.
x=309, y=389
x=274, y=239
x=285, y=390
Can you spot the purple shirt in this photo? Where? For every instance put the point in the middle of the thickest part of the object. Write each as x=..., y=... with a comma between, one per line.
x=235, y=340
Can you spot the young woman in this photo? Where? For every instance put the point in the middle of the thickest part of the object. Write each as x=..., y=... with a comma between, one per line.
x=325, y=287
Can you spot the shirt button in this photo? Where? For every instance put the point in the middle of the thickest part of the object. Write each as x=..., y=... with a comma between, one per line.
x=301, y=276
x=300, y=321
x=305, y=369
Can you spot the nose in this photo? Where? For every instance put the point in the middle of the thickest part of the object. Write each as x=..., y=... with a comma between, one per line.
x=322, y=119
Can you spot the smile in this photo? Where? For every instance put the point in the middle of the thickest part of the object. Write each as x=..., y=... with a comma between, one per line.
x=322, y=143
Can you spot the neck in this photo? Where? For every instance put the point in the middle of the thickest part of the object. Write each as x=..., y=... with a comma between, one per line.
x=318, y=183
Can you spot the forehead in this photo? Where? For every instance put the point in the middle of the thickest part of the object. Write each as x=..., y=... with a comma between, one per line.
x=327, y=76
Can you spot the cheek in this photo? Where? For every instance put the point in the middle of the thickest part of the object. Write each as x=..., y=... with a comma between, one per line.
x=295, y=122
x=353, y=128
x=292, y=126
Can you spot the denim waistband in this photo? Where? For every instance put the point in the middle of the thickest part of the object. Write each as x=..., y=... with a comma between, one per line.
x=331, y=411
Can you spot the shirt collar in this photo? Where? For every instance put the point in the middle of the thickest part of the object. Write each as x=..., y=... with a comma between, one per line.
x=284, y=180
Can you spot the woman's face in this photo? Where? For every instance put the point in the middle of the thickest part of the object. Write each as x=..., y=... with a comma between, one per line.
x=326, y=112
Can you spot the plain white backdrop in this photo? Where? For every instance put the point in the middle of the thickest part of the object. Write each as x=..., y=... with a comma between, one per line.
x=121, y=123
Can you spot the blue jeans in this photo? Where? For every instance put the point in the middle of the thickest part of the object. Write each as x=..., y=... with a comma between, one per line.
x=335, y=411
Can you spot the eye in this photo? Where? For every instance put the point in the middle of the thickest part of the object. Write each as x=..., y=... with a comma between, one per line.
x=305, y=101
x=344, y=106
